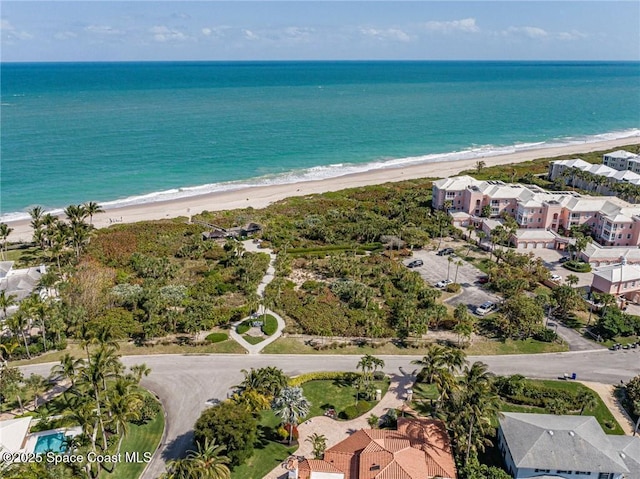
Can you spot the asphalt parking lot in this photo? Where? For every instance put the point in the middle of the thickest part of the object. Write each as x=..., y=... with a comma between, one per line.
x=436, y=268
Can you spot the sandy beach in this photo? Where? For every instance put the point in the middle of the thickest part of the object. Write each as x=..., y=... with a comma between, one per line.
x=259, y=197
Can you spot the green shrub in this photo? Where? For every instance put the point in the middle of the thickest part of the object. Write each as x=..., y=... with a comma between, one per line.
x=322, y=375
x=270, y=325
x=362, y=407
x=578, y=266
x=217, y=337
x=350, y=412
x=453, y=288
x=379, y=375
x=545, y=335
x=243, y=327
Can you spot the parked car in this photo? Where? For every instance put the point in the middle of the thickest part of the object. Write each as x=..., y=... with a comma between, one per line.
x=564, y=259
x=444, y=283
x=486, y=308
x=556, y=278
x=445, y=252
x=483, y=279
x=415, y=263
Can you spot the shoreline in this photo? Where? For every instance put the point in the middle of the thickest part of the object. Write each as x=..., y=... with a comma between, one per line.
x=261, y=196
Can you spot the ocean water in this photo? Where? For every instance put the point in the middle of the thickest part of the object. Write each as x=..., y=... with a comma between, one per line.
x=124, y=133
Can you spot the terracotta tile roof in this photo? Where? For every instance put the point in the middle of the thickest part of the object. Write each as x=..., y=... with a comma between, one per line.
x=419, y=449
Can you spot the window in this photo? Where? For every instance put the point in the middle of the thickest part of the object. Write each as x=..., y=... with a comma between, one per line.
x=539, y=220
x=629, y=236
x=543, y=470
x=375, y=467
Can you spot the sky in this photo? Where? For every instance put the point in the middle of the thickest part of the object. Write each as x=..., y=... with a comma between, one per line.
x=36, y=31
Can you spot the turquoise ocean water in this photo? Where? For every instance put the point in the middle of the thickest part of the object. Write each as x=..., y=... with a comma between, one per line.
x=124, y=133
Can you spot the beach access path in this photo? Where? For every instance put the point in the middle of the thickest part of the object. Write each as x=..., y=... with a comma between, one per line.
x=252, y=247
x=262, y=196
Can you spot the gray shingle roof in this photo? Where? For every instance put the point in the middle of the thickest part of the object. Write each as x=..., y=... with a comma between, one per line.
x=630, y=448
x=548, y=441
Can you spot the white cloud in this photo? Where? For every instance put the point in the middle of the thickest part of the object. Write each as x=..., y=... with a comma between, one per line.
x=9, y=32
x=64, y=35
x=297, y=32
x=386, y=34
x=162, y=33
x=467, y=25
x=538, y=33
x=531, y=32
x=249, y=35
x=215, y=32
x=103, y=30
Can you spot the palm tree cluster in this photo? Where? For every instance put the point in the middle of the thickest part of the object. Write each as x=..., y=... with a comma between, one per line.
x=206, y=462
x=56, y=237
x=369, y=365
x=33, y=312
x=260, y=387
x=467, y=402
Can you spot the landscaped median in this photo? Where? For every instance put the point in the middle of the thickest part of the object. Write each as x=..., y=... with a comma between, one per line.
x=256, y=329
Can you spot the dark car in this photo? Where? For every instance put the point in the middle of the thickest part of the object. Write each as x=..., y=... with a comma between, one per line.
x=483, y=279
x=445, y=252
x=415, y=263
x=564, y=259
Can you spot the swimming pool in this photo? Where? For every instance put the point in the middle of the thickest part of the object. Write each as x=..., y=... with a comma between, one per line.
x=51, y=442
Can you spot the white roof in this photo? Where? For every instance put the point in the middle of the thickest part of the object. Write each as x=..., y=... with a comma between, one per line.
x=619, y=273
x=596, y=252
x=456, y=183
x=620, y=154
x=535, y=234
x=13, y=432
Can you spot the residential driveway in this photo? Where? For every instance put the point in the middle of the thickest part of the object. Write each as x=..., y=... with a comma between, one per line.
x=573, y=338
x=436, y=268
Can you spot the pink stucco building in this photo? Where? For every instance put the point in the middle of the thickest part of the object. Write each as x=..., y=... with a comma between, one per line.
x=614, y=222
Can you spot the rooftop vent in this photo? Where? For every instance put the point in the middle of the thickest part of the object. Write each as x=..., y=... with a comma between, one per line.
x=571, y=433
x=550, y=433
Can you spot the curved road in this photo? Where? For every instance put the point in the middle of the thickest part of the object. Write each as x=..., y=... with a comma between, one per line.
x=185, y=382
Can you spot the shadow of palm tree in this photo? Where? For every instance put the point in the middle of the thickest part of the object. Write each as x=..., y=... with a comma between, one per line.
x=178, y=447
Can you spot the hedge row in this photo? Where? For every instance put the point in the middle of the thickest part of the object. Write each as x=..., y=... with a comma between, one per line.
x=352, y=412
x=577, y=266
x=243, y=327
x=322, y=376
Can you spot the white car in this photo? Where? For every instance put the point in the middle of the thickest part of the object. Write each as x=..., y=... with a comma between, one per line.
x=555, y=278
x=486, y=308
x=444, y=283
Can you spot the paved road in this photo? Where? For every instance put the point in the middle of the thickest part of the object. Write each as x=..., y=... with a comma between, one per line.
x=185, y=382
x=435, y=269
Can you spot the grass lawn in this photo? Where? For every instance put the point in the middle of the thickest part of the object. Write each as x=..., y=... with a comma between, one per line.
x=267, y=453
x=294, y=346
x=270, y=325
x=330, y=394
x=601, y=412
x=129, y=349
x=252, y=339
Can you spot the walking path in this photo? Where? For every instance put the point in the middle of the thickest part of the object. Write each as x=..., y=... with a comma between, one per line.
x=607, y=394
x=336, y=431
x=270, y=274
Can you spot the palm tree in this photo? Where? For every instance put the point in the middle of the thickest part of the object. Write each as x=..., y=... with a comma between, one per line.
x=267, y=381
x=586, y=400
x=5, y=231
x=572, y=280
x=6, y=302
x=124, y=406
x=38, y=385
x=91, y=208
x=291, y=406
x=319, y=444
x=438, y=360
x=207, y=462
x=68, y=368
x=178, y=469
x=458, y=264
x=36, y=216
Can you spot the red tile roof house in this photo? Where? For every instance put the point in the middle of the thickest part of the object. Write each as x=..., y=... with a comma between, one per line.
x=418, y=449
